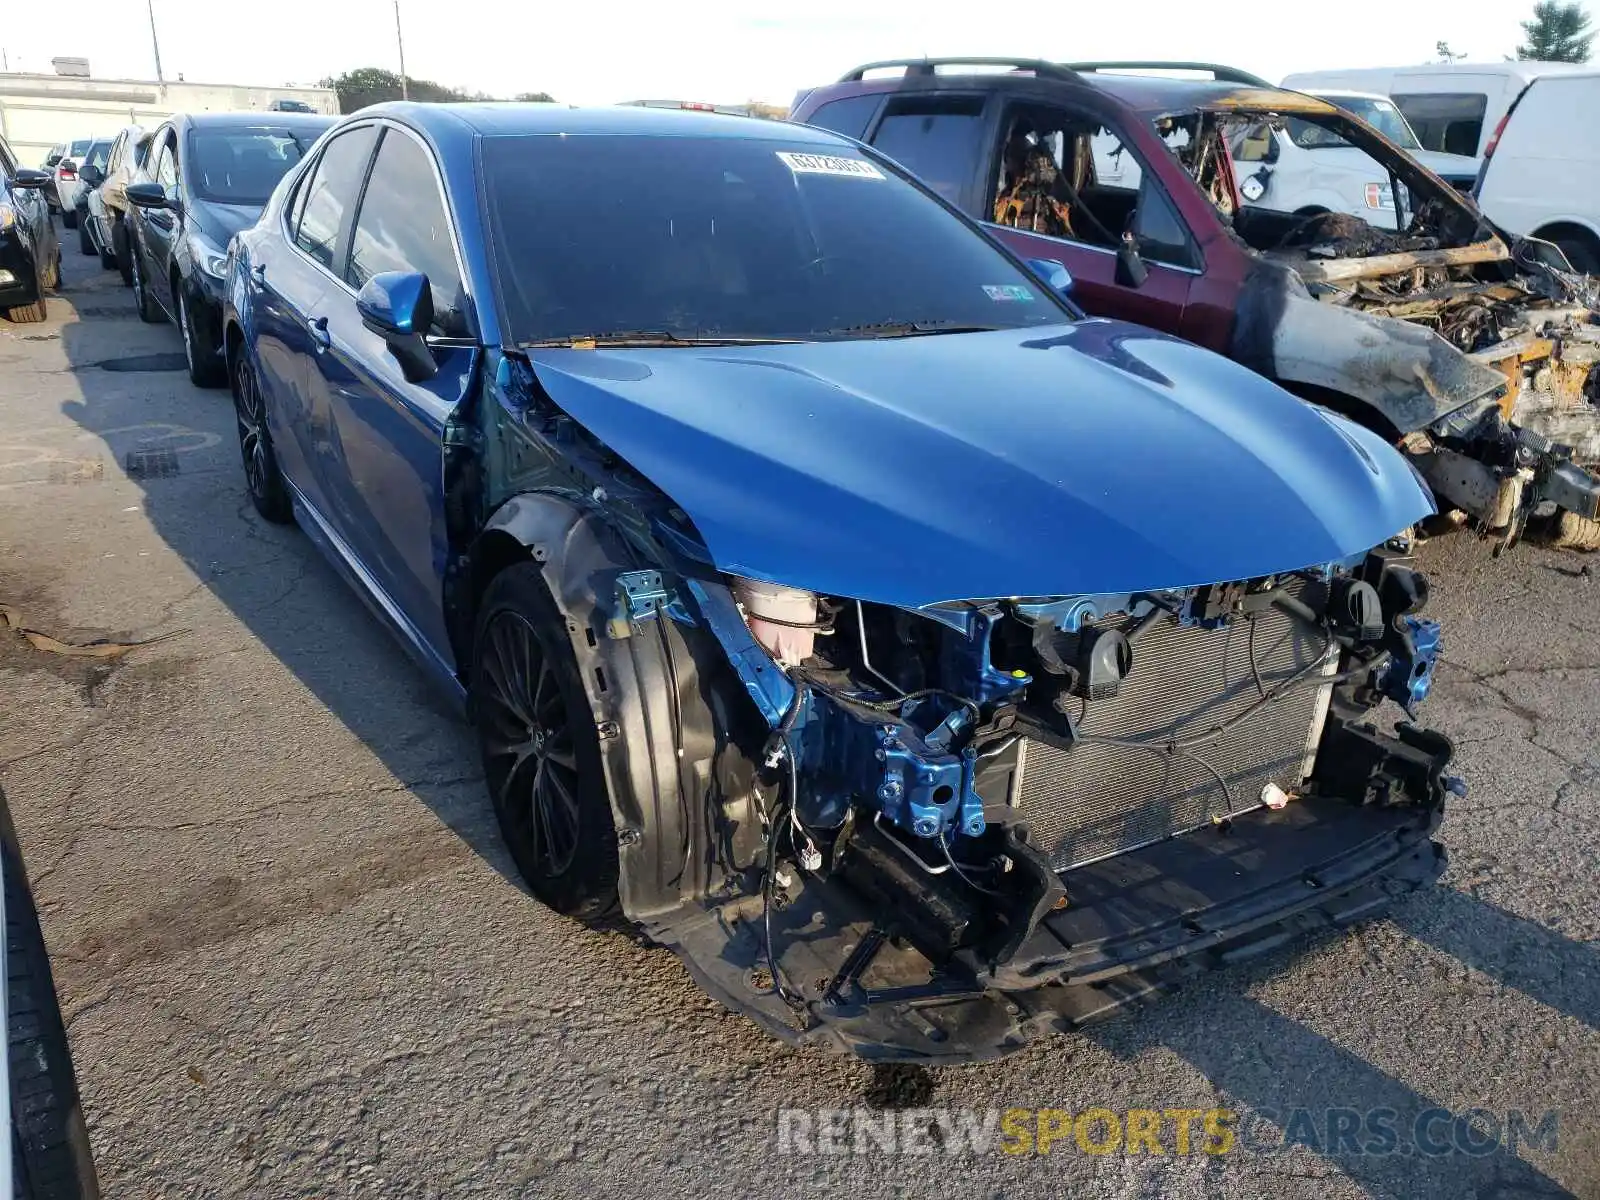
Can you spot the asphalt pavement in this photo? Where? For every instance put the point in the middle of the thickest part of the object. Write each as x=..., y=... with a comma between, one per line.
x=295, y=960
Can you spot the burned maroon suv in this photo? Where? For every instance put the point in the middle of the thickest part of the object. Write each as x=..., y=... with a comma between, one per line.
x=1477, y=352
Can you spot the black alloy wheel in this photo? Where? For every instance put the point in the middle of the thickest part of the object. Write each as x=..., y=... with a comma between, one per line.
x=261, y=474
x=541, y=752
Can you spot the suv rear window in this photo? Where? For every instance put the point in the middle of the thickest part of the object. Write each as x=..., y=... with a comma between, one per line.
x=936, y=138
x=1451, y=122
x=849, y=116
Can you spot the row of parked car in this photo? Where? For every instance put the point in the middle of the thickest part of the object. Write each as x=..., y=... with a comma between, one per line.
x=930, y=664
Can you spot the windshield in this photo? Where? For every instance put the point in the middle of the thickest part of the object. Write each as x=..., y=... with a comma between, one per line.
x=1382, y=116
x=242, y=166
x=735, y=238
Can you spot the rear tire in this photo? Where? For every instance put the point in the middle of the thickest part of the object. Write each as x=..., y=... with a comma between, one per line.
x=50, y=1156
x=262, y=478
x=69, y=218
x=149, y=311
x=541, y=750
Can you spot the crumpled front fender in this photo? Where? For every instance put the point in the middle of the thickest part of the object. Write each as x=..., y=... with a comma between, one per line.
x=1407, y=373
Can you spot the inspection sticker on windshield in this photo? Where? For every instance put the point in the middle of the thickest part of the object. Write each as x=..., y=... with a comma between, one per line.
x=1008, y=291
x=828, y=164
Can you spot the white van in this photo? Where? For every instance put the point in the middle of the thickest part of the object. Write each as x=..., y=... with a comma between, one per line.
x=1306, y=168
x=1541, y=175
x=1454, y=107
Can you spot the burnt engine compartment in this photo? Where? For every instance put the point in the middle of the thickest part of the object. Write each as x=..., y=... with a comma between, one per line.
x=955, y=768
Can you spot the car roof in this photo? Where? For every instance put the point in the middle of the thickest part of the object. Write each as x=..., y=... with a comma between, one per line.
x=1330, y=93
x=1146, y=94
x=448, y=122
x=252, y=118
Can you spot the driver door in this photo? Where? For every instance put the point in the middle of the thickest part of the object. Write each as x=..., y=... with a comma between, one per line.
x=1109, y=190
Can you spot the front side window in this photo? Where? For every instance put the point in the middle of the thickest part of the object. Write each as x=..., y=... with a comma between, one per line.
x=936, y=138
x=402, y=226
x=165, y=167
x=1069, y=175
x=242, y=166
x=330, y=195
x=97, y=155
x=596, y=235
x=8, y=161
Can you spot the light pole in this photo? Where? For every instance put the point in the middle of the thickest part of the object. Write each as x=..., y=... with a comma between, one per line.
x=400, y=44
x=155, y=45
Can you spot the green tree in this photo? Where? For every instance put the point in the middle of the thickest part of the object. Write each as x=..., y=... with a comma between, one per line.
x=536, y=97
x=1557, y=33
x=373, y=85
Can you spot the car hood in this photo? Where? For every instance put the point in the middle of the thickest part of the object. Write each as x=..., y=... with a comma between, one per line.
x=220, y=222
x=1447, y=166
x=1088, y=458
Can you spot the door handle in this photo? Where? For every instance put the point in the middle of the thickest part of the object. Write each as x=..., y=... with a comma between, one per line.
x=260, y=272
x=319, y=333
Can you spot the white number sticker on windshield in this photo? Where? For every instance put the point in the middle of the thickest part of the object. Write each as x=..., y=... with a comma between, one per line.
x=828, y=164
x=1008, y=291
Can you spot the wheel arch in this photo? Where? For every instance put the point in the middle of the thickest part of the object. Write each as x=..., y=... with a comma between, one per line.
x=675, y=737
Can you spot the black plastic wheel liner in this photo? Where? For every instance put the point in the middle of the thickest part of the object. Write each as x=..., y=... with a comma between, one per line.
x=1136, y=932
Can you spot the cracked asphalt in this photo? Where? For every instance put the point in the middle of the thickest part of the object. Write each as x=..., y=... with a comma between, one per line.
x=294, y=959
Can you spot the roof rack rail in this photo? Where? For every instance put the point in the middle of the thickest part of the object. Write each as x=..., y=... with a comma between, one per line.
x=1218, y=72
x=926, y=66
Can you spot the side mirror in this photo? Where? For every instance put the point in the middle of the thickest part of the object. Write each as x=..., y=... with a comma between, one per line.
x=147, y=195
x=27, y=177
x=398, y=307
x=1054, y=273
x=1131, y=271
x=91, y=175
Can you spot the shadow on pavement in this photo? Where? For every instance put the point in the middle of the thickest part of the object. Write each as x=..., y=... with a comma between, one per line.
x=179, y=443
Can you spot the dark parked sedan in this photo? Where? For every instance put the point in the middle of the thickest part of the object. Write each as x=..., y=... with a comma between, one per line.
x=207, y=177
x=929, y=666
x=30, y=256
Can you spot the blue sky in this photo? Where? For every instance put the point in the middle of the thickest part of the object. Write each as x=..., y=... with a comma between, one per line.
x=727, y=52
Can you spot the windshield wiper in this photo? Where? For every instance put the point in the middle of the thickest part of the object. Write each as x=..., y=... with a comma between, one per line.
x=896, y=329
x=651, y=337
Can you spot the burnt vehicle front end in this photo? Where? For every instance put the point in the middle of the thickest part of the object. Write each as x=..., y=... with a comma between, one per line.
x=1479, y=352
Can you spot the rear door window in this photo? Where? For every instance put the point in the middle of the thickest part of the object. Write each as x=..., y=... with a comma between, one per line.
x=1451, y=122
x=330, y=196
x=402, y=226
x=939, y=139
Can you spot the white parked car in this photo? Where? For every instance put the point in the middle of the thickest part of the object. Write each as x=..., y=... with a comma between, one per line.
x=1541, y=174
x=67, y=182
x=1305, y=168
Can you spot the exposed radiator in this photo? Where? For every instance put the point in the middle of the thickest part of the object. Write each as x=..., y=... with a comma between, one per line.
x=1094, y=801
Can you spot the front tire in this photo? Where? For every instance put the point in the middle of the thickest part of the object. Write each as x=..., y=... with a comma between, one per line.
x=206, y=368
x=122, y=250
x=541, y=750
x=69, y=218
x=27, y=314
x=85, y=242
x=262, y=478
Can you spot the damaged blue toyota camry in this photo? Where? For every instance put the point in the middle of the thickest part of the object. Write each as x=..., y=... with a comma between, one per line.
x=927, y=665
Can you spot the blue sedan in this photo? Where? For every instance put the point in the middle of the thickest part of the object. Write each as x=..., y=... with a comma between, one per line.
x=928, y=665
